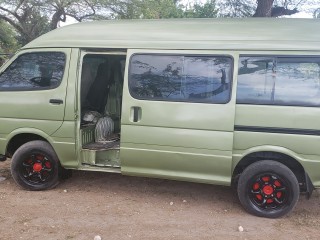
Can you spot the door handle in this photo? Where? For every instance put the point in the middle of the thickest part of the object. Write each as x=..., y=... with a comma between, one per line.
x=135, y=114
x=56, y=101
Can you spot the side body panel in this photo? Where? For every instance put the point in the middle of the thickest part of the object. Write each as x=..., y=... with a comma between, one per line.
x=177, y=140
x=290, y=130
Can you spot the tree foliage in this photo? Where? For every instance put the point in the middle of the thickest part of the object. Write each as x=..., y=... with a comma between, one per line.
x=32, y=18
x=262, y=8
x=137, y=9
x=160, y=9
x=8, y=43
x=206, y=10
x=150, y=9
x=59, y=10
x=24, y=17
x=236, y=8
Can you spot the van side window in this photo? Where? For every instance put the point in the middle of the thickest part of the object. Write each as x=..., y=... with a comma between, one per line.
x=181, y=78
x=34, y=71
x=283, y=80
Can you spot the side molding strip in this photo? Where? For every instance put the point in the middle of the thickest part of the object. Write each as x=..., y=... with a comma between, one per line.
x=277, y=130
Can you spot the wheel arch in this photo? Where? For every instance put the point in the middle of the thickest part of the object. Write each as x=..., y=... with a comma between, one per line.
x=285, y=157
x=21, y=136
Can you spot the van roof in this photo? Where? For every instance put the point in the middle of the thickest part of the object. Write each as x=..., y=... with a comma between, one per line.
x=235, y=34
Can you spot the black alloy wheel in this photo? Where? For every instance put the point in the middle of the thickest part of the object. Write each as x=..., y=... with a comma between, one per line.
x=35, y=166
x=268, y=189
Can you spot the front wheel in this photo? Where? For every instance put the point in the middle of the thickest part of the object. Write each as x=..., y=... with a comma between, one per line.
x=268, y=189
x=35, y=166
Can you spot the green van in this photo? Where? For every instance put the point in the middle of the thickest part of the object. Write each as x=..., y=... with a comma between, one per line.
x=224, y=101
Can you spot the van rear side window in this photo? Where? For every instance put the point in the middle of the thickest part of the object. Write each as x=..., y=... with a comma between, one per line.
x=181, y=78
x=34, y=71
x=283, y=80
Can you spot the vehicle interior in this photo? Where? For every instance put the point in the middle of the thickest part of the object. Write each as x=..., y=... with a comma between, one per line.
x=101, y=98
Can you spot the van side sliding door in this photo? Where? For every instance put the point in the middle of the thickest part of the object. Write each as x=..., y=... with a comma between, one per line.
x=178, y=115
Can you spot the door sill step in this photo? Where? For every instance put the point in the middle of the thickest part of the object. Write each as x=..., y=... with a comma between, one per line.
x=101, y=167
x=113, y=145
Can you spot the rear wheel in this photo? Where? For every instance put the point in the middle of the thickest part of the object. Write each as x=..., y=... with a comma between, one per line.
x=35, y=166
x=268, y=189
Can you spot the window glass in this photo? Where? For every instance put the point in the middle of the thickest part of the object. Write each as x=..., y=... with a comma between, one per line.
x=34, y=71
x=181, y=78
x=279, y=80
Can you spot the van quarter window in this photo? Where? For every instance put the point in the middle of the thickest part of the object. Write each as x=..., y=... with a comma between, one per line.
x=181, y=78
x=34, y=71
x=271, y=80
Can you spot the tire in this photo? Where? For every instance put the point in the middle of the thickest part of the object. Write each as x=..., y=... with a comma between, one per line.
x=268, y=189
x=35, y=166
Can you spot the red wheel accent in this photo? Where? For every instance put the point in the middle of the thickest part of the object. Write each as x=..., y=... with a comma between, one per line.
x=277, y=183
x=256, y=186
x=279, y=194
x=270, y=200
x=259, y=197
x=268, y=190
x=266, y=179
x=47, y=164
x=37, y=167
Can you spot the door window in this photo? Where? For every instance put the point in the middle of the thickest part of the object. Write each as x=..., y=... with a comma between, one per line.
x=34, y=71
x=181, y=78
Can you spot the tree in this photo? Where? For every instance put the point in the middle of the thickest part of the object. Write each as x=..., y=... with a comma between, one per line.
x=266, y=8
x=24, y=17
x=316, y=13
x=161, y=9
x=206, y=10
x=150, y=9
x=236, y=8
x=137, y=9
x=8, y=43
x=32, y=18
x=261, y=8
x=59, y=10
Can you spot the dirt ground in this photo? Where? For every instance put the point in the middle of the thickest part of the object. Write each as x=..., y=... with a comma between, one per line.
x=120, y=207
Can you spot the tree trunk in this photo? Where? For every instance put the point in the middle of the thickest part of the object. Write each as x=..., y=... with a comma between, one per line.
x=264, y=8
x=58, y=16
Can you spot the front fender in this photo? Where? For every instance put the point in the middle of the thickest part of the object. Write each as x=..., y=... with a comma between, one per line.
x=31, y=131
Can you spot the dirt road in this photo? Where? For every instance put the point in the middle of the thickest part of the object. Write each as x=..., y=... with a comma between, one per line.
x=119, y=207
